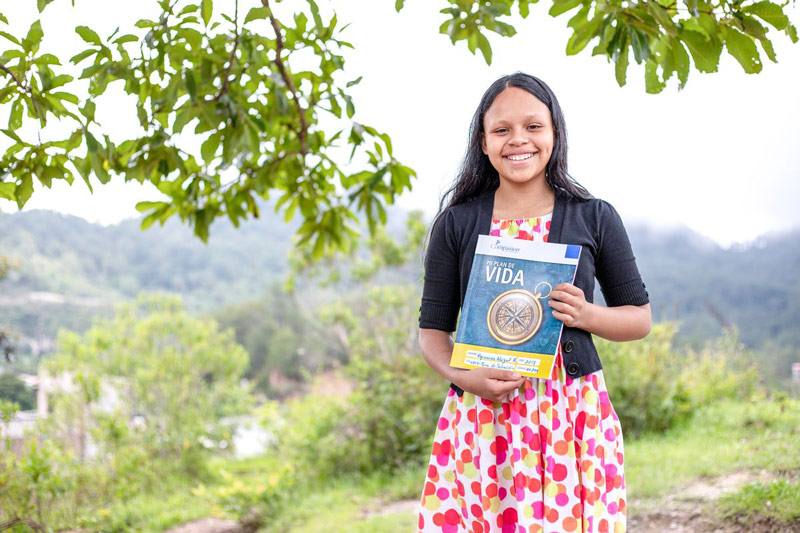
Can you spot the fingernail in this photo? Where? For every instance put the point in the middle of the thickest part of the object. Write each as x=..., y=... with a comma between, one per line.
x=515, y=375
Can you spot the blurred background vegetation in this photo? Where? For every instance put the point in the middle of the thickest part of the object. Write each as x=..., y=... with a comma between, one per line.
x=166, y=365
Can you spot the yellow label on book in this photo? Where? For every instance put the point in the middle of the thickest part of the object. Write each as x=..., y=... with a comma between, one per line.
x=536, y=365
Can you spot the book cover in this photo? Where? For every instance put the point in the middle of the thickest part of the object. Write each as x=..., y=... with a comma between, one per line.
x=505, y=320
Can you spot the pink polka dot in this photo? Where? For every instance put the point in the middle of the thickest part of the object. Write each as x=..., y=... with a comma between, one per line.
x=527, y=434
x=612, y=508
x=610, y=435
x=443, y=423
x=562, y=499
x=538, y=510
x=442, y=493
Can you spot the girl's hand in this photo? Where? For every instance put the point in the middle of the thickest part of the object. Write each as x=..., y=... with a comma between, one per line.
x=490, y=383
x=570, y=306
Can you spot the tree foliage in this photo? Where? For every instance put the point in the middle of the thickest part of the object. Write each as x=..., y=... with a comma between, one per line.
x=226, y=82
x=174, y=377
x=666, y=36
x=233, y=106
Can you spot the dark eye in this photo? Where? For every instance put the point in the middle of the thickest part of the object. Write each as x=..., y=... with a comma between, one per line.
x=534, y=127
x=501, y=130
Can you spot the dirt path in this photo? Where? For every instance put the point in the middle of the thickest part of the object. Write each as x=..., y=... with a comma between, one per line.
x=691, y=509
x=687, y=510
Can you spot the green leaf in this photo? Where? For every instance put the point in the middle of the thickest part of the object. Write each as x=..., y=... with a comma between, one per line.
x=524, y=8
x=34, y=37
x=24, y=190
x=3, y=18
x=640, y=45
x=206, y=9
x=562, y=6
x=705, y=51
x=13, y=135
x=652, y=82
x=77, y=58
x=91, y=143
x=127, y=38
x=7, y=190
x=621, y=67
x=15, y=117
x=754, y=28
x=257, y=13
x=209, y=148
x=88, y=110
x=47, y=59
x=770, y=13
x=743, y=48
x=146, y=206
x=663, y=17
x=41, y=4
x=485, y=48
x=191, y=86
x=88, y=35
x=398, y=5
x=10, y=37
x=682, y=63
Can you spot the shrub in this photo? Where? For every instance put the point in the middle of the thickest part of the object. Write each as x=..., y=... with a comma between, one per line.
x=653, y=386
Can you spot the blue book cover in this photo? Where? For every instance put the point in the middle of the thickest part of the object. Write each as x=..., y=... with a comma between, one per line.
x=506, y=321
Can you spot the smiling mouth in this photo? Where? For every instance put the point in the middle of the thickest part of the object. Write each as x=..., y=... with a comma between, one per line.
x=519, y=157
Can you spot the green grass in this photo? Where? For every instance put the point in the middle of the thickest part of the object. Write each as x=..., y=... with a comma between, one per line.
x=722, y=438
x=350, y=504
x=779, y=500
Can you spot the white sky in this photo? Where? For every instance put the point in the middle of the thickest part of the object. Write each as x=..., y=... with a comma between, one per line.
x=722, y=156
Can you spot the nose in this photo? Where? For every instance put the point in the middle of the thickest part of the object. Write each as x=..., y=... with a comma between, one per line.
x=518, y=138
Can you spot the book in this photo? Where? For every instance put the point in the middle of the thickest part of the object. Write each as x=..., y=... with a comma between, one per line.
x=505, y=321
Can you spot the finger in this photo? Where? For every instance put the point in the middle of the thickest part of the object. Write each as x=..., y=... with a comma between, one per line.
x=562, y=307
x=568, y=287
x=504, y=375
x=563, y=317
x=564, y=296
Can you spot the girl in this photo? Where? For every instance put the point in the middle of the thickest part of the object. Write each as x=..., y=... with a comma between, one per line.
x=514, y=454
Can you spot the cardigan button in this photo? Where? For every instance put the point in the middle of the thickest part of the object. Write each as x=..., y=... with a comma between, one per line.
x=568, y=346
x=573, y=369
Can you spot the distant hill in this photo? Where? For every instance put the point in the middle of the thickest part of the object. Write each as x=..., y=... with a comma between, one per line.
x=70, y=270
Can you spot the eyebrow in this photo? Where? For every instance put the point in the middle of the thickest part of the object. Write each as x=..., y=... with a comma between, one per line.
x=536, y=116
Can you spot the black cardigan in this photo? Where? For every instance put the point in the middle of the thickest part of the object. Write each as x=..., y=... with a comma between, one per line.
x=593, y=224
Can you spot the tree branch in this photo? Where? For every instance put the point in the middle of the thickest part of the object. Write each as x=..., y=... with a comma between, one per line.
x=303, y=132
x=231, y=58
x=22, y=86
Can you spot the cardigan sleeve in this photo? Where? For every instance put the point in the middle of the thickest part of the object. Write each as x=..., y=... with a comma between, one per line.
x=441, y=290
x=615, y=265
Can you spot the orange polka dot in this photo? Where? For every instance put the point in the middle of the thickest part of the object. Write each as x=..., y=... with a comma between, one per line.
x=552, y=515
x=569, y=524
x=561, y=447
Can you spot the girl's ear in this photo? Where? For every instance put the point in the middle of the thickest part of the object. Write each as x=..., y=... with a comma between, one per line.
x=483, y=144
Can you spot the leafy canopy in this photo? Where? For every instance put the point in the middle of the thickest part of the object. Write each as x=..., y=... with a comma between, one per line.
x=236, y=106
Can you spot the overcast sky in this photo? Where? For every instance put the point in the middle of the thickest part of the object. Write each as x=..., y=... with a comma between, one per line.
x=721, y=156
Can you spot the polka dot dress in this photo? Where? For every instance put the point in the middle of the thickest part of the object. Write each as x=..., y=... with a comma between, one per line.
x=549, y=459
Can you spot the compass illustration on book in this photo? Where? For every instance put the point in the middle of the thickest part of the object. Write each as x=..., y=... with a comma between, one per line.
x=516, y=315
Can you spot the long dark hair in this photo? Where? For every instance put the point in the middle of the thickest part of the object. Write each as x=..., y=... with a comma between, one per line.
x=477, y=176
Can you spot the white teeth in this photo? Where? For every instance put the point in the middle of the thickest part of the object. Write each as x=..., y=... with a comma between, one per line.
x=519, y=157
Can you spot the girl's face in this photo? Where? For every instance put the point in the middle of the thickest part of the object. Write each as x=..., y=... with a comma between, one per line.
x=518, y=136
